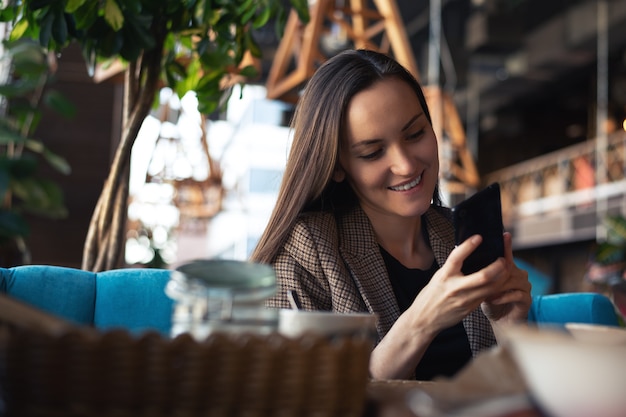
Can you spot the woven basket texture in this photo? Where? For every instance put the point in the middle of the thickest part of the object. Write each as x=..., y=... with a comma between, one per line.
x=115, y=374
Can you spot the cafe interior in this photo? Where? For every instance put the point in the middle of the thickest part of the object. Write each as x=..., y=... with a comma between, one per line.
x=528, y=94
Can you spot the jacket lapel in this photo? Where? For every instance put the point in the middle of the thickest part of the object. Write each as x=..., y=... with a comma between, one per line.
x=367, y=268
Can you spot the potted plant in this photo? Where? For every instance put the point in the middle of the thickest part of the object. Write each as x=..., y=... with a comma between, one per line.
x=22, y=188
x=606, y=270
x=195, y=45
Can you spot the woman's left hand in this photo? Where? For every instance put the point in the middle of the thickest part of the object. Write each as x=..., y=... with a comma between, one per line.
x=512, y=303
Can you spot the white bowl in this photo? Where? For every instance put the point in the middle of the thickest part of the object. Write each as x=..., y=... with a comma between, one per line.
x=294, y=323
x=569, y=377
x=594, y=333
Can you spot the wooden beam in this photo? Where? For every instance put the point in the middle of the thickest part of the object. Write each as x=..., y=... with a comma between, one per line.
x=301, y=42
x=362, y=24
x=398, y=39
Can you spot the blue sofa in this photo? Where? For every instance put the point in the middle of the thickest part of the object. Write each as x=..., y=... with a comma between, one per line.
x=135, y=299
x=130, y=298
x=575, y=307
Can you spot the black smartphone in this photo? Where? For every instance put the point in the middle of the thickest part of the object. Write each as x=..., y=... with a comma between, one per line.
x=480, y=214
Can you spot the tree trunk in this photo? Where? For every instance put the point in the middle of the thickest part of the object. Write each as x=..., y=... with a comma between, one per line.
x=105, y=242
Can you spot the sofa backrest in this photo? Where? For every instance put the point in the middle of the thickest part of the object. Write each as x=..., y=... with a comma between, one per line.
x=129, y=298
x=577, y=307
x=65, y=292
x=134, y=299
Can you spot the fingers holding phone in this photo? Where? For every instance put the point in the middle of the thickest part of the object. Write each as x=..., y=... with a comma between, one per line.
x=480, y=214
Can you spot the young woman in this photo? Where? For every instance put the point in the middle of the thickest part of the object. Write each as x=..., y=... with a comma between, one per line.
x=359, y=225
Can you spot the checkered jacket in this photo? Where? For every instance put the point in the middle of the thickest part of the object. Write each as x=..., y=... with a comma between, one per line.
x=335, y=264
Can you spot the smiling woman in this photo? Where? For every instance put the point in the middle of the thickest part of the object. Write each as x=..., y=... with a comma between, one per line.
x=359, y=226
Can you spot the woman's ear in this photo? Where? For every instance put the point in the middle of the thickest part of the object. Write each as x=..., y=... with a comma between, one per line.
x=339, y=174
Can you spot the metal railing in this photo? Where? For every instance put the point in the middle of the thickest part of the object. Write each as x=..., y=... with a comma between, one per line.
x=557, y=196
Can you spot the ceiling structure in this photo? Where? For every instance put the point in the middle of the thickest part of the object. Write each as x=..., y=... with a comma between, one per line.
x=522, y=72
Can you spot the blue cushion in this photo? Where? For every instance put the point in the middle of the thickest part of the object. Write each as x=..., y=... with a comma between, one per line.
x=133, y=299
x=65, y=292
x=577, y=307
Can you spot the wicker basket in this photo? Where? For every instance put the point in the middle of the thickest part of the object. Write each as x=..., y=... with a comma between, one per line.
x=116, y=374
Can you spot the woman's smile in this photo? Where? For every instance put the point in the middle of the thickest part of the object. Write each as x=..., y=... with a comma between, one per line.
x=407, y=186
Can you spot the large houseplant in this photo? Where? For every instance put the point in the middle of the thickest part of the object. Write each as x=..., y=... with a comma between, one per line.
x=185, y=44
x=23, y=189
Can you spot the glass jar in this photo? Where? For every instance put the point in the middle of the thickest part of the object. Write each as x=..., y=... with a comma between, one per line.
x=222, y=295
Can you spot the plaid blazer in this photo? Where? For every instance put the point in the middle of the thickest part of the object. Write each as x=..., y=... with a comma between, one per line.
x=335, y=264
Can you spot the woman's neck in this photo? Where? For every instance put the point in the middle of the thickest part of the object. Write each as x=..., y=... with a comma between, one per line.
x=404, y=239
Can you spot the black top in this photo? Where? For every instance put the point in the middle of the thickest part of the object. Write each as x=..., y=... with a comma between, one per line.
x=450, y=350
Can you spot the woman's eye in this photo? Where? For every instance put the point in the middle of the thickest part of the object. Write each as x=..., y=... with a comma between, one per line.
x=417, y=134
x=372, y=155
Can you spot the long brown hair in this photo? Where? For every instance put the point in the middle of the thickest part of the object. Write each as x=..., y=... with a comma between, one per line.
x=318, y=126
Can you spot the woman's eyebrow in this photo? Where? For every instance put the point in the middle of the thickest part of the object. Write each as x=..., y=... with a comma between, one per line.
x=364, y=143
x=413, y=119
x=377, y=140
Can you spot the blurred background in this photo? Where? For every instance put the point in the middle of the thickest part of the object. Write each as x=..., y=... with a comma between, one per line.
x=538, y=89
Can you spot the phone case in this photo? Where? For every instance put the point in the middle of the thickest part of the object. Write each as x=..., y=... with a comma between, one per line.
x=480, y=214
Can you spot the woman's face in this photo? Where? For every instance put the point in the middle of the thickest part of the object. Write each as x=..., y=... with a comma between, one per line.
x=389, y=154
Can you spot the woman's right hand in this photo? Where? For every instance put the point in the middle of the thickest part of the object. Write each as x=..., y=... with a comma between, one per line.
x=451, y=296
x=448, y=298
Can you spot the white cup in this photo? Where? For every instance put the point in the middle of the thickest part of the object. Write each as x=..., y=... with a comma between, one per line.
x=294, y=323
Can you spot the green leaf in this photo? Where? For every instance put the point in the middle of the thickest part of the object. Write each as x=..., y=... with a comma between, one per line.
x=133, y=7
x=249, y=72
x=56, y=101
x=27, y=189
x=19, y=29
x=262, y=18
x=27, y=57
x=45, y=30
x=40, y=4
x=34, y=145
x=137, y=37
x=131, y=49
x=111, y=44
x=22, y=167
x=281, y=21
x=244, y=7
x=57, y=162
x=9, y=136
x=59, y=29
x=41, y=197
x=607, y=253
x=73, y=5
x=4, y=180
x=113, y=15
x=86, y=16
x=245, y=19
x=12, y=224
x=190, y=80
x=8, y=14
x=616, y=227
x=208, y=106
x=19, y=88
x=252, y=46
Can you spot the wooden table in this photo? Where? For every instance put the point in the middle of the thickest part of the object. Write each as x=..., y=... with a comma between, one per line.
x=390, y=398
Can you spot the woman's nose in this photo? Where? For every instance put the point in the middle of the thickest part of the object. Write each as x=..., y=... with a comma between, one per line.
x=401, y=162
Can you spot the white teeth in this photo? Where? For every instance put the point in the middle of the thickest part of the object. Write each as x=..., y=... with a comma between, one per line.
x=407, y=186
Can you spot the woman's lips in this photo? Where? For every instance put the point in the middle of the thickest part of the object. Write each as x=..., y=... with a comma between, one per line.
x=408, y=185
